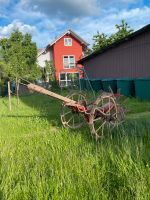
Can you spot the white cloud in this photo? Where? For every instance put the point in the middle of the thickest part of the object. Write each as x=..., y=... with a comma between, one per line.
x=40, y=35
x=136, y=18
x=49, y=18
x=71, y=11
x=5, y=31
x=24, y=14
x=47, y=29
x=62, y=8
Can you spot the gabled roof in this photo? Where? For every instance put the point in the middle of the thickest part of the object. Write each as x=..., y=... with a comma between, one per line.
x=115, y=44
x=41, y=51
x=69, y=31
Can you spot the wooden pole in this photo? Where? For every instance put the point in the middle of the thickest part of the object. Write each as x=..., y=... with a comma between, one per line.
x=9, y=95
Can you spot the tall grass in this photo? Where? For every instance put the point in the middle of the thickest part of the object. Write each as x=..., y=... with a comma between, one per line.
x=42, y=160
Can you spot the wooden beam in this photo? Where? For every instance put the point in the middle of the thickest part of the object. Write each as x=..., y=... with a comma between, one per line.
x=42, y=90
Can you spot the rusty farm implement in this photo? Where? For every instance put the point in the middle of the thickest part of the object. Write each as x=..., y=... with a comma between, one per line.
x=103, y=113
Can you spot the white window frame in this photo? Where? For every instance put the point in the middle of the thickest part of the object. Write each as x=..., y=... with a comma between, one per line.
x=66, y=43
x=66, y=78
x=70, y=66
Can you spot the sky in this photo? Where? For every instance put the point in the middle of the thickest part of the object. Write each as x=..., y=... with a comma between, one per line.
x=45, y=20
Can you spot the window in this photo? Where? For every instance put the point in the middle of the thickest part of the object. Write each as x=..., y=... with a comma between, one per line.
x=69, y=79
x=67, y=41
x=69, y=62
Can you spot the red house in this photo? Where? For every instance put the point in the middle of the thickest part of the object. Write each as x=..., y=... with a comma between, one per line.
x=65, y=51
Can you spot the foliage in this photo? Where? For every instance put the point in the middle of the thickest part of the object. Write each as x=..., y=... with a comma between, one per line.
x=2, y=68
x=41, y=160
x=102, y=40
x=19, y=54
x=3, y=78
x=123, y=30
x=48, y=73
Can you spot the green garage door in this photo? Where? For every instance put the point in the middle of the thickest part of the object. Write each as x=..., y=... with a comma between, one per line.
x=142, y=88
x=126, y=86
x=96, y=84
x=83, y=84
x=109, y=83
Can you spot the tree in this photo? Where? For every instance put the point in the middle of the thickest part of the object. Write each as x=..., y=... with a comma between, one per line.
x=102, y=40
x=123, y=30
x=19, y=54
x=49, y=71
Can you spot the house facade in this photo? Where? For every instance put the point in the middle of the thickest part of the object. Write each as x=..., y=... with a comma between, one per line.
x=43, y=56
x=64, y=52
x=127, y=58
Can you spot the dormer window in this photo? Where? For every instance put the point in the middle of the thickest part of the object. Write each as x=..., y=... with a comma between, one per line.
x=67, y=42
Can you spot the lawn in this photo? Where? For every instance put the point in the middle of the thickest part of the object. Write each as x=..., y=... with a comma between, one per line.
x=41, y=160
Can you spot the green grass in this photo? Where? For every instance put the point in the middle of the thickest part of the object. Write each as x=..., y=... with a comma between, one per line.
x=41, y=160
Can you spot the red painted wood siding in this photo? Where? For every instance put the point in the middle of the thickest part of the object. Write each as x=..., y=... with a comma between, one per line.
x=59, y=51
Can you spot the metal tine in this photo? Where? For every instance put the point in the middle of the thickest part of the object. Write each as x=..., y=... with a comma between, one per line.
x=96, y=119
x=101, y=127
x=111, y=91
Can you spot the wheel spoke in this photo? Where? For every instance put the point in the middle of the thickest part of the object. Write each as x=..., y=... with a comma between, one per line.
x=96, y=119
x=69, y=120
x=101, y=126
x=67, y=113
x=105, y=107
x=72, y=119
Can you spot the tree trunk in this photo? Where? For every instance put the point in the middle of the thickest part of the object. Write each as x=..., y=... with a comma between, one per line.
x=9, y=95
x=17, y=90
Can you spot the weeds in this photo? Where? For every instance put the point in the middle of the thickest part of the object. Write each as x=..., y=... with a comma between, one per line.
x=42, y=160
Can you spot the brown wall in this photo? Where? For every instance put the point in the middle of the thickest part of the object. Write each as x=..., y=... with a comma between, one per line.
x=129, y=59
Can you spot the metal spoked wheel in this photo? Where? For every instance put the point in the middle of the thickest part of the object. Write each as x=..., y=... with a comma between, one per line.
x=71, y=118
x=104, y=114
